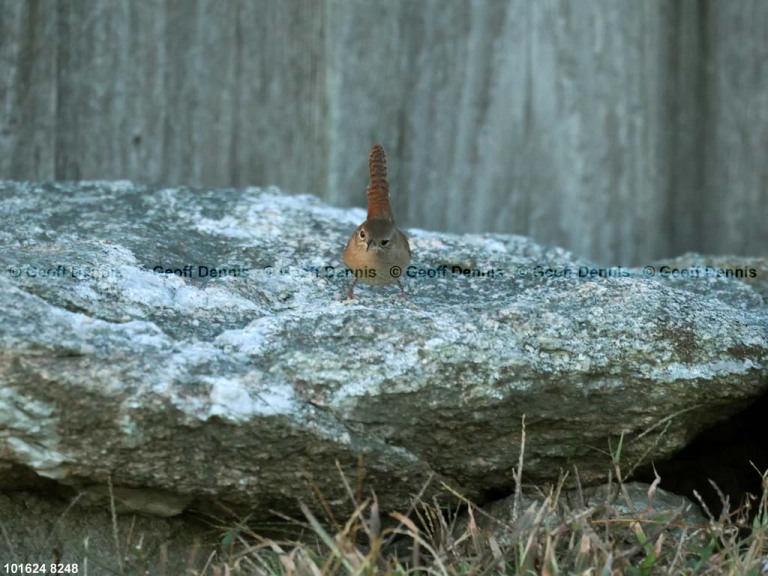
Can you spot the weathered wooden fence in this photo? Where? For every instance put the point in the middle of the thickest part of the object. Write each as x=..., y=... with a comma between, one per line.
x=623, y=129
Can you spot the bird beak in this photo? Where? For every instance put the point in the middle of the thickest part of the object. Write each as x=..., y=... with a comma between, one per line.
x=369, y=244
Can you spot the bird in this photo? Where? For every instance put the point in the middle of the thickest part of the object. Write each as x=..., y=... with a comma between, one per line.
x=377, y=253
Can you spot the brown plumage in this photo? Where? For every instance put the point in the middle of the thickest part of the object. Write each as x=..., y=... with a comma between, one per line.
x=377, y=252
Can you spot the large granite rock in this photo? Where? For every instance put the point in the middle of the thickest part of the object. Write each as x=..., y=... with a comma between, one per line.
x=125, y=356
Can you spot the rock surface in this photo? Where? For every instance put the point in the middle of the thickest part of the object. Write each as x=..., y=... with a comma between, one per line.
x=123, y=357
x=38, y=529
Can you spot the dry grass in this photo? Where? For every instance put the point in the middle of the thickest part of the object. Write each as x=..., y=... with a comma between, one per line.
x=551, y=532
x=547, y=537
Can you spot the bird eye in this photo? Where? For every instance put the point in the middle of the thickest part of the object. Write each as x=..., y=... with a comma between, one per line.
x=384, y=242
x=362, y=234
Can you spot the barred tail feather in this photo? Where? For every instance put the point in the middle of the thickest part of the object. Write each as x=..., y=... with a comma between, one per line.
x=378, y=189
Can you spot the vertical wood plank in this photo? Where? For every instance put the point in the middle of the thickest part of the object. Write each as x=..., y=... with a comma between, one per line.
x=28, y=89
x=736, y=145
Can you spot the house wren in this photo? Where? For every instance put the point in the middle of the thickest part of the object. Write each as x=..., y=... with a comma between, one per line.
x=377, y=253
